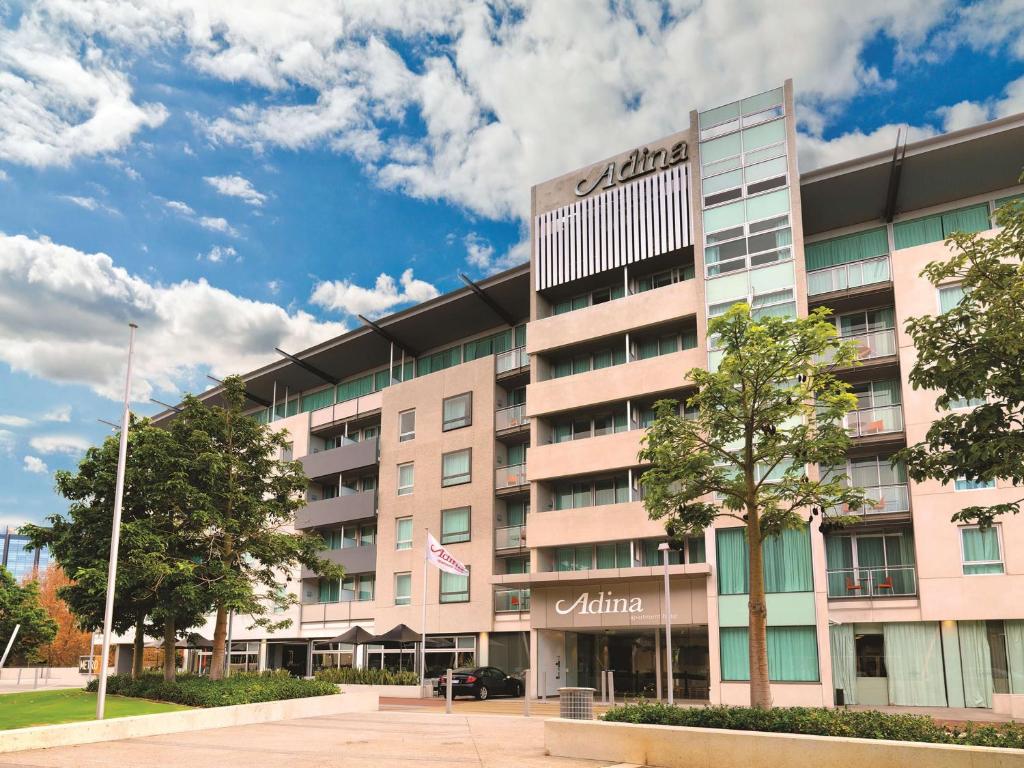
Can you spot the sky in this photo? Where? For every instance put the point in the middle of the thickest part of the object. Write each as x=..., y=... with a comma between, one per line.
x=242, y=174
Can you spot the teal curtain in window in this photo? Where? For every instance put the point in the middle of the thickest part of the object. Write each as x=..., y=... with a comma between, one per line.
x=976, y=662
x=792, y=654
x=455, y=525
x=735, y=653
x=733, y=574
x=318, y=400
x=787, y=561
x=520, y=335
x=606, y=556
x=949, y=297
x=885, y=392
x=1008, y=199
x=350, y=390
x=899, y=553
x=844, y=660
x=1015, y=653
x=689, y=339
x=842, y=250
x=839, y=562
x=696, y=549
x=967, y=220
x=647, y=348
x=913, y=661
x=907, y=234
x=981, y=546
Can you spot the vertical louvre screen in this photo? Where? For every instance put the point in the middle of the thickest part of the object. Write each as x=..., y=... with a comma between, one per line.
x=624, y=225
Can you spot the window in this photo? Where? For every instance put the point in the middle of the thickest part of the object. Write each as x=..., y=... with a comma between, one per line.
x=692, y=551
x=517, y=564
x=328, y=591
x=457, y=412
x=406, y=477
x=981, y=550
x=602, y=358
x=456, y=467
x=579, y=558
x=406, y=425
x=438, y=361
x=586, y=493
x=745, y=246
x=403, y=588
x=454, y=588
x=792, y=654
x=932, y=229
x=367, y=534
x=963, y=403
x=963, y=484
x=949, y=297
x=403, y=533
x=455, y=525
x=843, y=250
x=786, y=561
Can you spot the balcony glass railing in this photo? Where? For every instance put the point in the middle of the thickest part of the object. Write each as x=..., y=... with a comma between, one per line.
x=852, y=275
x=511, y=600
x=881, y=500
x=510, y=537
x=510, y=418
x=512, y=360
x=874, y=421
x=511, y=476
x=870, y=344
x=880, y=581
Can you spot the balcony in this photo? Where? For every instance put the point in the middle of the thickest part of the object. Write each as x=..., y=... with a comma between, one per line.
x=511, y=537
x=843, y=277
x=882, y=500
x=880, y=581
x=870, y=345
x=345, y=458
x=350, y=505
x=511, y=362
x=870, y=422
x=348, y=611
x=352, y=559
x=511, y=419
x=511, y=600
x=511, y=478
x=349, y=409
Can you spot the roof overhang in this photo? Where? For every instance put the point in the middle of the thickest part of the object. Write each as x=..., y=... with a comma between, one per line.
x=936, y=171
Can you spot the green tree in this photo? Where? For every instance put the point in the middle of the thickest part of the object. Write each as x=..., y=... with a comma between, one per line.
x=975, y=351
x=20, y=605
x=771, y=408
x=245, y=498
x=155, y=591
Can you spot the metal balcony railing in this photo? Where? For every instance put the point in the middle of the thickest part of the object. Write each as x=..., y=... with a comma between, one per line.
x=852, y=275
x=511, y=476
x=870, y=344
x=879, y=581
x=510, y=418
x=511, y=360
x=874, y=421
x=882, y=499
x=511, y=537
x=511, y=600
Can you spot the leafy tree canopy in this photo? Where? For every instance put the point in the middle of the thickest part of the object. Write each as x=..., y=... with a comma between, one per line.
x=19, y=605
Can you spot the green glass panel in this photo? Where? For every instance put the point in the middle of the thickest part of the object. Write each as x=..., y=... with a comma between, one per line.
x=735, y=653
x=771, y=204
x=733, y=577
x=318, y=400
x=717, y=149
x=762, y=135
x=842, y=250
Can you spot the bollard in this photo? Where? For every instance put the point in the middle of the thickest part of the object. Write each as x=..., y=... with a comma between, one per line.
x=19, y=676
x=35, y=678
x=611, y=688
x=526, y=693
x=543, y=686
x=448, y=693
x=604, y=690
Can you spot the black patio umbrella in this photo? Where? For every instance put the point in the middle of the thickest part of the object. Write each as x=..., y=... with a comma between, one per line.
x=354, y=636
x=193, y=641
x=401, y=634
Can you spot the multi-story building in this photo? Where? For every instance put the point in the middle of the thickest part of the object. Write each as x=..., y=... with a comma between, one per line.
x=19, y=559
x=506, y=417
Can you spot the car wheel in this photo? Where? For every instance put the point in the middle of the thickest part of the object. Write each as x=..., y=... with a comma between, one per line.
x=482, y=693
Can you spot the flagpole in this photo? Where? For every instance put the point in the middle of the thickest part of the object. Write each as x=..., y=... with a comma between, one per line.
x=423, y=625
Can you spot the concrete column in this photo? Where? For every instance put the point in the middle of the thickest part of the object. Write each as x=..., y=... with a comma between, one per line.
x=535, y=663
x=483, y=650
x=261, y=665
x=657, y=664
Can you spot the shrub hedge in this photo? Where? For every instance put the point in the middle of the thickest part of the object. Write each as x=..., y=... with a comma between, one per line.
x=197, y=691
x=823, y=722
x=367, y=676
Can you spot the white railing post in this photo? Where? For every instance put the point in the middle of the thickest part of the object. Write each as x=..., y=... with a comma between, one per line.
x=448, y=693
x=526, y=693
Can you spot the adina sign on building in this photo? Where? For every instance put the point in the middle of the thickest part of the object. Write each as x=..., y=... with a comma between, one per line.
x=639, y=162
x=603, y=603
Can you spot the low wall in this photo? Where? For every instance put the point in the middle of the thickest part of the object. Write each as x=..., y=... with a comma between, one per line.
x=669, y=746
x=1011, y=704
x=113, y=729
x=392, y=691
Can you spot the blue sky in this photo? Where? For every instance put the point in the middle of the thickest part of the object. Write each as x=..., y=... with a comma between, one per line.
x=236, y=176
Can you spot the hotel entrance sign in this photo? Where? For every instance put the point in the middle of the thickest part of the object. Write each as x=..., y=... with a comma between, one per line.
x=639, y=162
x=603, y=603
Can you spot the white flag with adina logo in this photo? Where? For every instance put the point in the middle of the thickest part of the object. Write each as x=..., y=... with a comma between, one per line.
x=444, y=559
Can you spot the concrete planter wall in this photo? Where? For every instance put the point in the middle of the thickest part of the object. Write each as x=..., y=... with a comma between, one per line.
x=1011, y=704
x=669, y=746
x=393, y=691
x=67, y=734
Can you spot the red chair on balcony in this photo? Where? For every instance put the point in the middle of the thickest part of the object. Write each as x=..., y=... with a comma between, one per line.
x=886, y=584
x=852, y=586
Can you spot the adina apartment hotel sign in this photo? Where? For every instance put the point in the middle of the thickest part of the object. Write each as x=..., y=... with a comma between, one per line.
x=617, y=604
x=639, y=162
x=602, y=603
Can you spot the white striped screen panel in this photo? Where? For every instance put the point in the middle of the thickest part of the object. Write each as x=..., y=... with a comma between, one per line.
x=626, y=224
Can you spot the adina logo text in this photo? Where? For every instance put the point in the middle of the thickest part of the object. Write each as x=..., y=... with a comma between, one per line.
x=603, y=603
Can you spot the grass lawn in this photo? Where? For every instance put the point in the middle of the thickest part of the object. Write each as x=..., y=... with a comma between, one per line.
x=20, y=710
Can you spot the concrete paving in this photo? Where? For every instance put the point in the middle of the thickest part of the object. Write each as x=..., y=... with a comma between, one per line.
x=378, y=740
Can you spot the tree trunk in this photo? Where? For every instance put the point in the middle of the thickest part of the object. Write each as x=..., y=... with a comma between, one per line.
x=760, y=688
x=138, y=647
x=220, y=636
x=170, y=651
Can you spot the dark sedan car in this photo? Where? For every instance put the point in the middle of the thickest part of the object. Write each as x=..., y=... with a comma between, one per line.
x=481, y=682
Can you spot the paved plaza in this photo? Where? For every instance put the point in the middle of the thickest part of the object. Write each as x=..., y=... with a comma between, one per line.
x=377, y=740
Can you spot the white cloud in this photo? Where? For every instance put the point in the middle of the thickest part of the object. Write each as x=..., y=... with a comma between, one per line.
x=345, y=296
x=218, y=254
x=967, y=113
x=3, y=175
x=10, y=420
x=90, y=204
x=35, y=465
x=60, y=413
x=63, y=316
x=69, y=444
x=212, y=223
x=183, y=208
x=237, y=186
x=816, y=152
x=274, y=286
x=7, y=441
x=481, y=254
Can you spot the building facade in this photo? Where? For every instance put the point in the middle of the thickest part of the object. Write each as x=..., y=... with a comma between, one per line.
x=505, y=419
x=19, y=559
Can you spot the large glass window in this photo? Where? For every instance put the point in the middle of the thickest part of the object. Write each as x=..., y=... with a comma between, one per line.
x=438, y=361
x=456, y=467
x=586, y=493
x=406, y=478
x=950, y=296
x=403, y=533
x=454, y=588
x=965, y=484
x=859, y=246
x=455, y=525
x=403, y=588
x=939, y=226
x=981, y=550
x=407, y=425
x=457, y=411
x=792, y=654
x=786, y=566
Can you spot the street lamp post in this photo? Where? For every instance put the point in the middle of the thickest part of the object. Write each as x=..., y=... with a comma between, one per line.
x=115, y=532
x=664, y=549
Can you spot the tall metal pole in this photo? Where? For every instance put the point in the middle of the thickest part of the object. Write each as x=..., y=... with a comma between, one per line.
x=423, y=631
x=663, y=547
x=115, y=529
